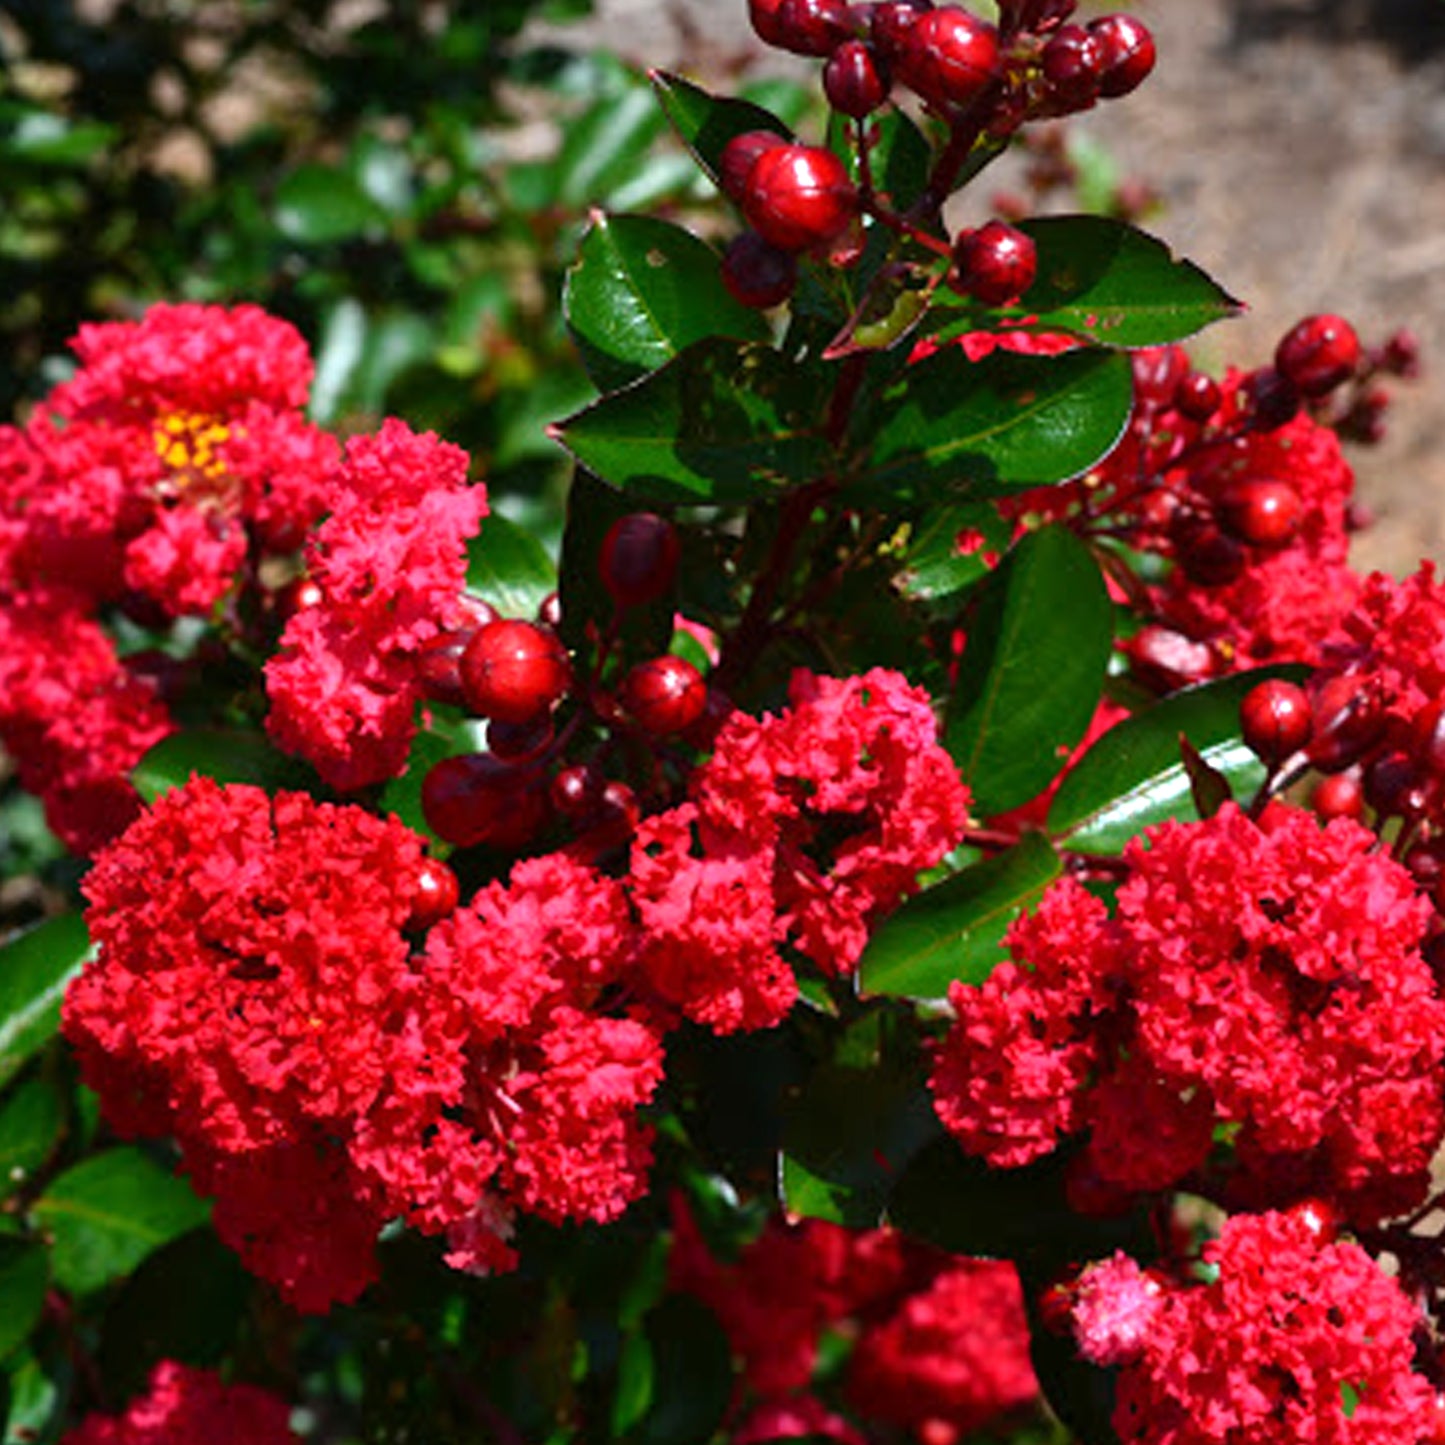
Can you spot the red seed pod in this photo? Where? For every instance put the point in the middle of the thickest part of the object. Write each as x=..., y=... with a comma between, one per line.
x=434, y=894
x=1158, y=370
x=854, y=80
x=1276, y=720
x=813, y=27
x=664, y=694
x=1073, y=65
x=799, y=196
x=1129, y=53
x=996, y=264
x=475, y=798
x=1339, y=796
x=639, y=556
x=1198, y=397
x=520, y=742
x=1262, y=512
x=758, y=274
x=1392, y=785
x=891, y=21
x=1318, y=354
x=738, y=155
x=439, y=666
x=1349, y=720
x=948, y=56
x=514, y=671
x=764, y=17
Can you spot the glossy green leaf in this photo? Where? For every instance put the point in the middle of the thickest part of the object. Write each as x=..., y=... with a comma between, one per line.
x=1033, y=670
x=951, y=548
x=225, y=754
x=705, y=122
x=1111, y=283
x=955, y=929
x=604, y=146
x=24, y=1275
x=641, y=291
x=35, y=969
x=108, y=1213
x=30, y=1121
x=1135, y=776
x=317, y=204
x=43, y=138
x=720, y=423
x=994, y=426
x=508, y=567
x=847, y=1135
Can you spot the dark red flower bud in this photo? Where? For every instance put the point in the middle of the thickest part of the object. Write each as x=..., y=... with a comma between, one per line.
x=1207, y=556
x=1073, y=64
x=736, y=162
x=854, y=80
x=1198, y=397
x=1318, y=354
x=758, y=274
x=996, y=264
x=576, y=792
x=813, y=27
x=891, y=21
x=1350, y=719
x=798, y=196
x=434, y=894
x=1338, y=796
x=476, y=798
x=513, y=671
x=1268, y=399
x=639, y=559
x=1263, y=513
x=1158, y=370
x=1276, y=720
x=664, y=695
x=1129, y=53
x=948, y=56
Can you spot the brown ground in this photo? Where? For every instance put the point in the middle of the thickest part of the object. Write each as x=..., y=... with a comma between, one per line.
x=1299, y=147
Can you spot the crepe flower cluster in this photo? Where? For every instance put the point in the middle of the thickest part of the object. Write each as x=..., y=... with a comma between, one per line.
x=256, y=996
x=173, y=459
x=1294, y=1338
x=1263, y=979
x=390, y=565
x=939, y=1345
x=186, y=1406
x=803, y=830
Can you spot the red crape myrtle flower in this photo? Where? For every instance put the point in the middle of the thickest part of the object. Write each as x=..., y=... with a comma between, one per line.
x=1264, y=976
x=256, y=996
x=1296, y=1339
x=804, y=830
x=390, y=563
x=187, y=1406
x=178, y=443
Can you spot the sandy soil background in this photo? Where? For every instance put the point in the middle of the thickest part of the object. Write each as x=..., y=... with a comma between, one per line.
x=1299, y=149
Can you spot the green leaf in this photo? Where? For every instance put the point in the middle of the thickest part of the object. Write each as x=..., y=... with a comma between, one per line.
x=955, y=929
x=1135, y=776
x=1033, y=670
x=846, y=1138
x=108, y=1213
x=1002, y=424
x=603, y=147
x=508, y=567
x=30, y=1121
x=720, y=423
x=43, y=138
x=35, y=969
x=24, y=1275
x=705, y=122
x=641, y=291
x=936, y=566
x=1111, y=283
x=225, y=754
x=317, y=204
x=691, y=1374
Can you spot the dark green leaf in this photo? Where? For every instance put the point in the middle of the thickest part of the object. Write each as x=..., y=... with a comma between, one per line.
x=705, y=122
x=1208, y=787
x=227, y=755
x=108, y=1213
x=955, y=929
x=692, y=1375
x=24, y=1274
x=1110, y=283
x=994, y=426
x=316, y=204
x=508, y=567
x=846, y=1138
x=1134, y=776
x=1033, y=670
x=35, y=969
x=720, y=423
x=642, y=290
x=30, y=1121
x=953, y=547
